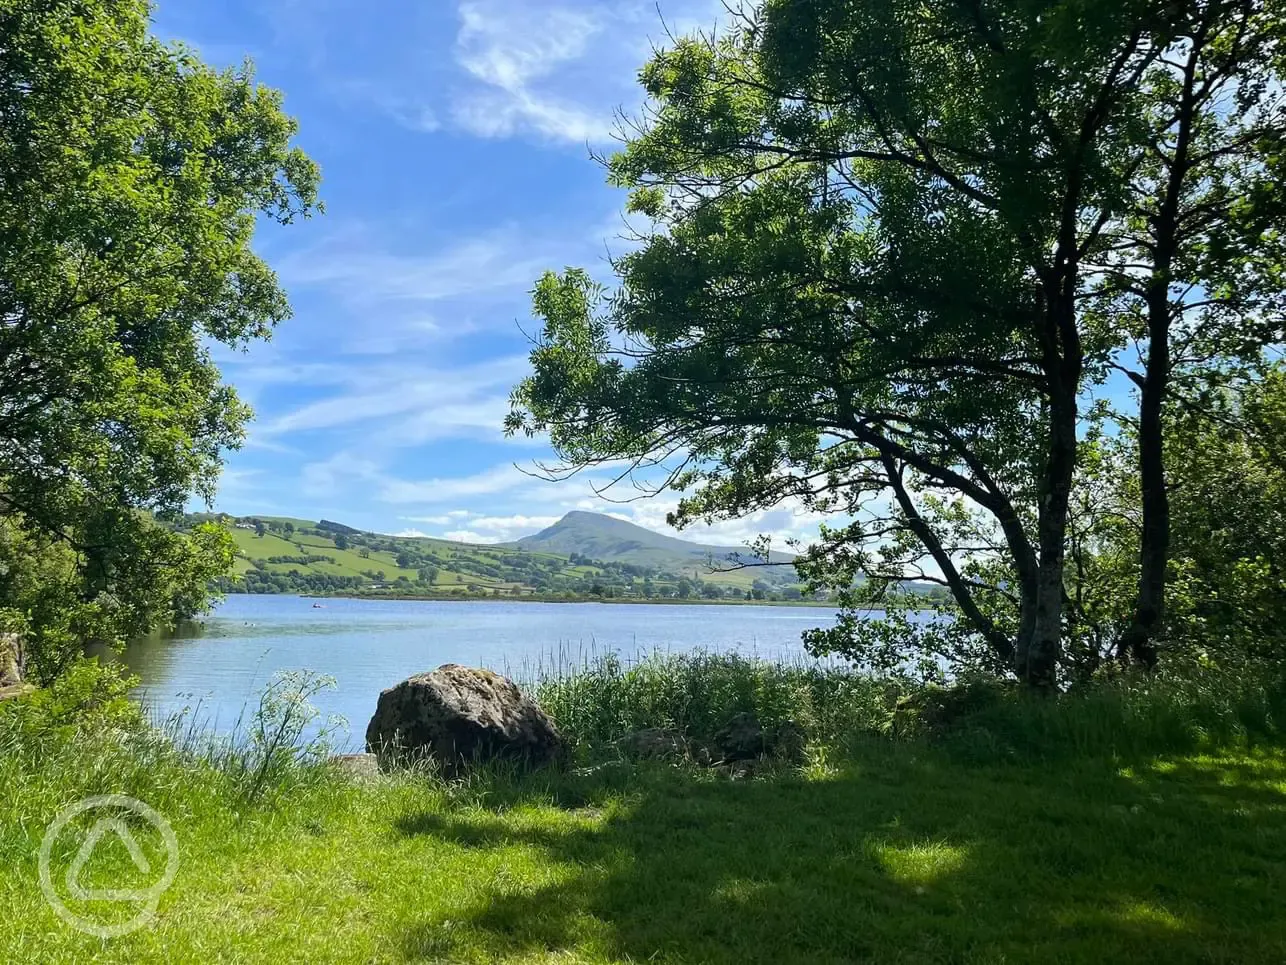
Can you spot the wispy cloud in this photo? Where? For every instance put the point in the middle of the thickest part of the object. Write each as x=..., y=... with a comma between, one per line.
x=500, y=529
x=332, y=477
x=498, y=479
x=427, y=403
x=542, y=504
x=408, y=110
x=512, y=48
x=446, y=519
x=356, y=267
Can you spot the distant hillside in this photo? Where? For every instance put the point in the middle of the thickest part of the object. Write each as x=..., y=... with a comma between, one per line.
x=603, y=558
x=607, y=538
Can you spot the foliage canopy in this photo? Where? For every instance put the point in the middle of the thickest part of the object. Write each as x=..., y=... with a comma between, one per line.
x=131, y=178
x=896, y=248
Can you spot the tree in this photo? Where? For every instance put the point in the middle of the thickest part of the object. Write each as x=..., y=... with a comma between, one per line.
x=289, y=529
x=48, y=598
x=131, y=181
x=895, y=244
x=1228, y=479
x=1206, y=204
x=404, y=560
x=429, y=574
x=260, y=529
x=1226, y=581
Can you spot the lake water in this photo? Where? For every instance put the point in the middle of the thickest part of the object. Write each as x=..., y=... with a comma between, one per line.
x=370, y=645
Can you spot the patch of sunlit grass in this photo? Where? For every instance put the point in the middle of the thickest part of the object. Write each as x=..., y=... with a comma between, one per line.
x=872, y=851
x=919, y=863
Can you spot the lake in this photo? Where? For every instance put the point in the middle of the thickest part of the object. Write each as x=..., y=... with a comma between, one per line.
x=370, y=645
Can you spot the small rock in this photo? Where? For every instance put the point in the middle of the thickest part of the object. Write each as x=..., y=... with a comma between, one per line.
x=602, y=769
x=652, y=743
x=789, y=743
x=740, y=770
x=357, y=765
x=740, y=739
x=458, y=715
x=10, y=661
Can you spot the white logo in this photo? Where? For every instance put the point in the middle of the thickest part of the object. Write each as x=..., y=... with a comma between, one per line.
x=110, y=823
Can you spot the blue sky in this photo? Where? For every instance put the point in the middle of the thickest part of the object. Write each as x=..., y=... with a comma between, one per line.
x=454, y=140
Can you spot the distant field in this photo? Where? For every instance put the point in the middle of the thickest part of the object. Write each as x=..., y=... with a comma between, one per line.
x=437, y=565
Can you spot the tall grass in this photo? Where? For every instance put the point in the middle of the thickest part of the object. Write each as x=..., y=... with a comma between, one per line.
x=84, y=737
x=694, y=694
x=1129, y=716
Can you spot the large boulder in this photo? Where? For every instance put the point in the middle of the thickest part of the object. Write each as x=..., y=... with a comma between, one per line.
x=458, y=715
x=10, y=660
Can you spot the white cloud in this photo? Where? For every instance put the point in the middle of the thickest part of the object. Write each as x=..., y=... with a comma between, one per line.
x=510, y=48
x=355, y=267
x=498, y=479
x=466, y=536
x=432, y=520
x=508, y=486
x=411, y=533
x=327, y=478
x=415, y=117
x=482, y=528
x=505, y=529
x=409, y=334
x=426, y=403
x=390, y=99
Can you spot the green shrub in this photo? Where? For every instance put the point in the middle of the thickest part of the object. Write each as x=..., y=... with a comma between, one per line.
x=89, y=695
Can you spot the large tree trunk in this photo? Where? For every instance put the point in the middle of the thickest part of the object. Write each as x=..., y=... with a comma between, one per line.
x=1138, y=643
x=1037, y=663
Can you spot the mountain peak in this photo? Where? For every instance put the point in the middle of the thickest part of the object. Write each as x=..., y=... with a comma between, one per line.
x=608, y=538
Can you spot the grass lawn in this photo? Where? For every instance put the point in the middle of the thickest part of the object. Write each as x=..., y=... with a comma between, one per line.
x=896, y=853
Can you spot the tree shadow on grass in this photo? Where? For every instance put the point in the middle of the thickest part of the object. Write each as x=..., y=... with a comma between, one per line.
x=900, y=856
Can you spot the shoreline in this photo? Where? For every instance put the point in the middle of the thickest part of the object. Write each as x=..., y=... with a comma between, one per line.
x=529, y=598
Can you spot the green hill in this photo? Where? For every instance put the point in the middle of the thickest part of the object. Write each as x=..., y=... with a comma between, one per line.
x=585, y=555
x=607, y=538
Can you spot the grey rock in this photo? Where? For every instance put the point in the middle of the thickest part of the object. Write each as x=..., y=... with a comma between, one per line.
x=357, y=765
x=458, y=715
x=10, y=660
x=789, y=743
x=740, y=739
x=604, y=769
x=740, y=770
x=652, y=743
